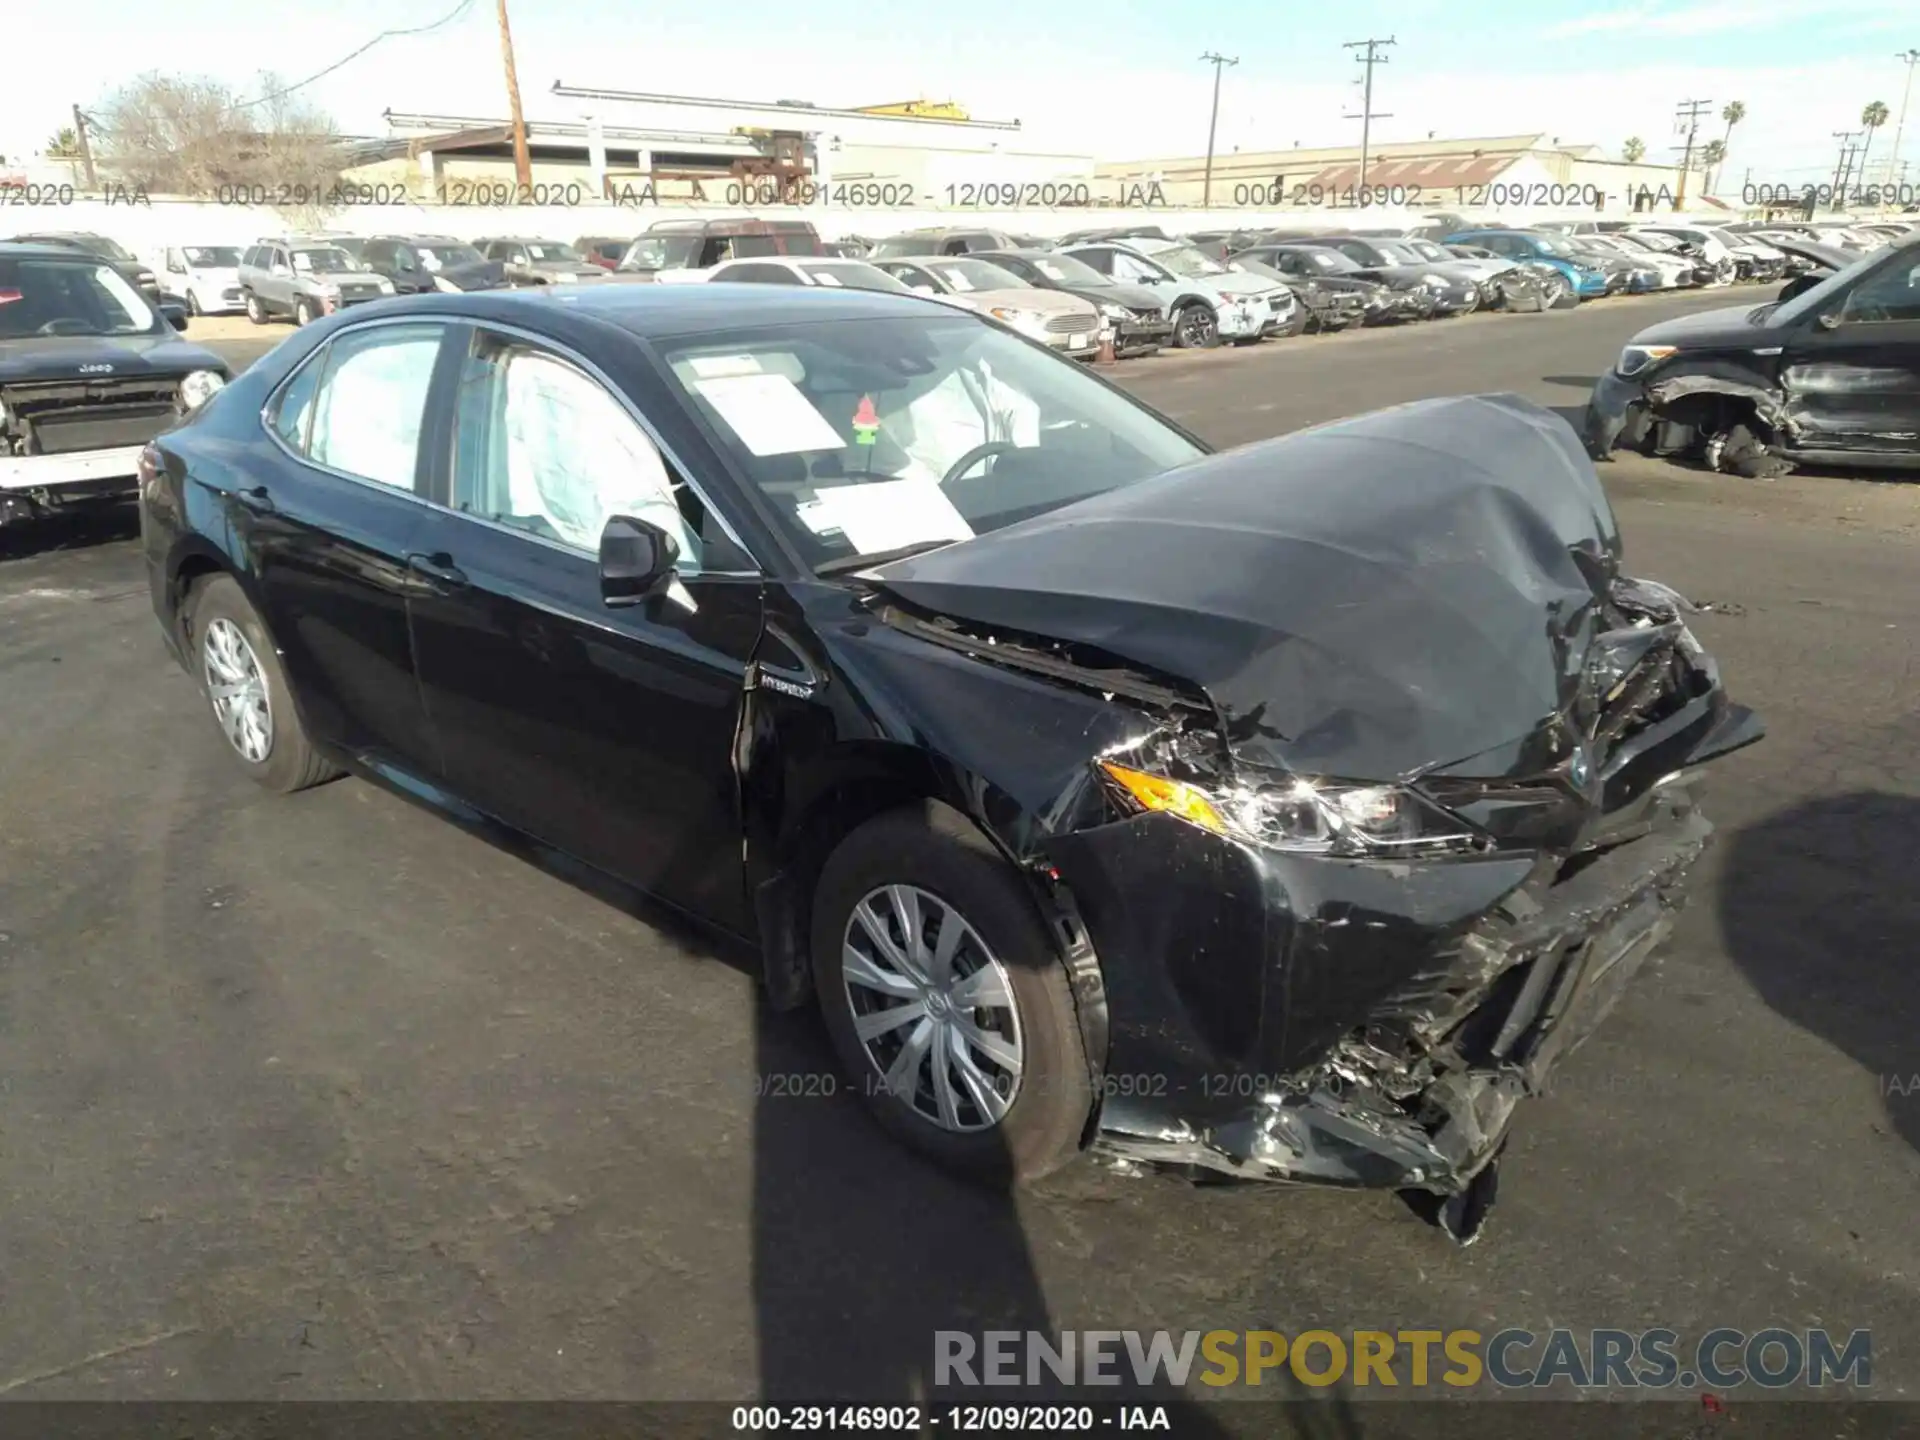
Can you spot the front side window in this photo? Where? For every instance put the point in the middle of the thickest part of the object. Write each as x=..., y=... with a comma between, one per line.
x=866, y=436
x=69, y=297
x=543, y=447
x=1890, y=297
x=371, y=400
x=1134, y=270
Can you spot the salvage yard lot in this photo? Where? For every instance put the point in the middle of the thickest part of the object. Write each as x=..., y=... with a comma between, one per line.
x=322, y=1096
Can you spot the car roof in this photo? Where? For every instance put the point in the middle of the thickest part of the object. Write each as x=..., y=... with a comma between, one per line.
x=31, y=250
x=666, y=311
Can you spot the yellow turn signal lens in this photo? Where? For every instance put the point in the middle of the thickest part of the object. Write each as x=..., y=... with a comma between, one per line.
x=1175, y=797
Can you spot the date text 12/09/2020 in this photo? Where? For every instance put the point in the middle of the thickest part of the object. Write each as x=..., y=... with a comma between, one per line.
x=983, y=195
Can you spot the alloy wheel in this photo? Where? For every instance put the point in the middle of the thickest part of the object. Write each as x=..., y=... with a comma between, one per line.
x=238, y=689
x=933, y=1007
x=1197, y=327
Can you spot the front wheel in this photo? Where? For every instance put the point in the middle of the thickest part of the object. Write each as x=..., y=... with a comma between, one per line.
x=946, y=1000
x=193, y=303
x=1196, y=327
x=303, y=312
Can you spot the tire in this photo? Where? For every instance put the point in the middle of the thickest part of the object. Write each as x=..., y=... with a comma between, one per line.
x=1195, y=327
x=256, y=312
x=193, y=303
x=303, y=311
x=954, y=870
x=219, y=609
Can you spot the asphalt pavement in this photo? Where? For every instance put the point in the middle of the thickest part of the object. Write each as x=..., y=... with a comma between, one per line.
x=322, y=1096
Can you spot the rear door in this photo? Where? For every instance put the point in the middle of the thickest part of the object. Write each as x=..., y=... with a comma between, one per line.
x=606, y=732
x=1859, y=382
x=329, y=531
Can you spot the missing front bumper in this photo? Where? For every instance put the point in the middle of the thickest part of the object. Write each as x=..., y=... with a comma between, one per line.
x=1421, y=1095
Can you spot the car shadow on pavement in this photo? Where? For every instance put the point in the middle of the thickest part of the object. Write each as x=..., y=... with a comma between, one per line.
x=78, y=530
x=1821, y=914
x=1571, y=382
x=863, y=1251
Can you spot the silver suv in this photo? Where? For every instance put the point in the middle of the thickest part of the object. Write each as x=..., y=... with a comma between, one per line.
x=304, y=279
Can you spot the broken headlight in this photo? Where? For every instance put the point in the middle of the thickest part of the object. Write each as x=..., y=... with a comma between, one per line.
x=1325, y=817
x=200, y=387
x=1636, y=358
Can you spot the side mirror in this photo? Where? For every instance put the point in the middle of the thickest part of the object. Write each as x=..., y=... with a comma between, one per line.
x=636, y=559
x=174, y=315
x=1829, y=321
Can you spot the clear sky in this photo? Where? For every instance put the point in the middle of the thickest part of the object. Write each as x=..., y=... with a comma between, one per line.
x=1120, y=78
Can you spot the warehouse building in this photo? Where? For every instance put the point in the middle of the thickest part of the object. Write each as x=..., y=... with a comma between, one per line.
x=1431, y=174
x=692, y=146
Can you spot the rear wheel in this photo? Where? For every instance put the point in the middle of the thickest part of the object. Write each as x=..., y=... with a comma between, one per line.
x=252, y=703
x=256, y=312
x=1195, y=327
x=946, y=1000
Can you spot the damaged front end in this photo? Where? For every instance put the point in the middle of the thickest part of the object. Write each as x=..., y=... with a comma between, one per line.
x=1730, y=423
x=1385, y=847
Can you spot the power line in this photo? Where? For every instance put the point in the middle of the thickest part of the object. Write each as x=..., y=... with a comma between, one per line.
x=447, y=19
x=1909, y=58
x=1367, y=114
x=1687, y=120
x=1218, y=62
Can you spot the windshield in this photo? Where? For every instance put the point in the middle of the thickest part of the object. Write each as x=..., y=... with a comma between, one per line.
x=851, y=274
x=1259, y=267
x=966, y=276
x=1809, y=301
x=1550, y=245
x=1399, y=251
x=1666, y=244
x=213, y=257
x=870, y=436
x=1427, y=250
x=1330, y=262
x=1185, y=260
x=101, y=245
x=660, y=252
x=438, y=257
x=551, y=252
x=69, y=297
x=1065, y=270
x=323, y=260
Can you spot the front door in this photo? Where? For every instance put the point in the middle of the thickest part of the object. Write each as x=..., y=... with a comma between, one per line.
x=1858, y=382
x=607, y=733
x=331, y=551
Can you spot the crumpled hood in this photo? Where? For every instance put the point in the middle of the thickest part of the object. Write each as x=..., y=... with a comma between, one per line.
x=1367, y=599
x=60, y=357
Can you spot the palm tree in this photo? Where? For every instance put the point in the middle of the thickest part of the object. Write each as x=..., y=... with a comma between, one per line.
x=1711, y=155
x=1633, y=149
x=62, y=144
x=1873, y=117
x=1733, y=113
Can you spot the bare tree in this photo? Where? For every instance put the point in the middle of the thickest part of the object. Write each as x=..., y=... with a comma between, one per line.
x=182, y=135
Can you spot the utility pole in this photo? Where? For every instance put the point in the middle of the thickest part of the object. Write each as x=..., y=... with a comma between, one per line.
x=86, y=147
x=1218, y=62
x=522, y=161
x=1370, y=58
x=1687, y=121
x=1909, y=58
x=1842, y=162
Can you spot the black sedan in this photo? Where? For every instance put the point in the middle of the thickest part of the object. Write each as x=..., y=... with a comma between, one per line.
x=1283, y=813
x=1395, y=262
x=1139, y=318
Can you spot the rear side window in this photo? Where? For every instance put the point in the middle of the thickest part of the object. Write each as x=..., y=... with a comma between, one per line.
x=369, y=404
x=294, y=407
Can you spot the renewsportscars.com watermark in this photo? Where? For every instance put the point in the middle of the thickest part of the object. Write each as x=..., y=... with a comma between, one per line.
x=1721, y=1359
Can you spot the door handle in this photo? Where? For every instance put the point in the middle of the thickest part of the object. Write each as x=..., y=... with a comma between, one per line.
x=438, y=567
x=255, y=497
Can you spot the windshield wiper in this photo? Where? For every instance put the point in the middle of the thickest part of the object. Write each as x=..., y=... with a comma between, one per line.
x=880, y=557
